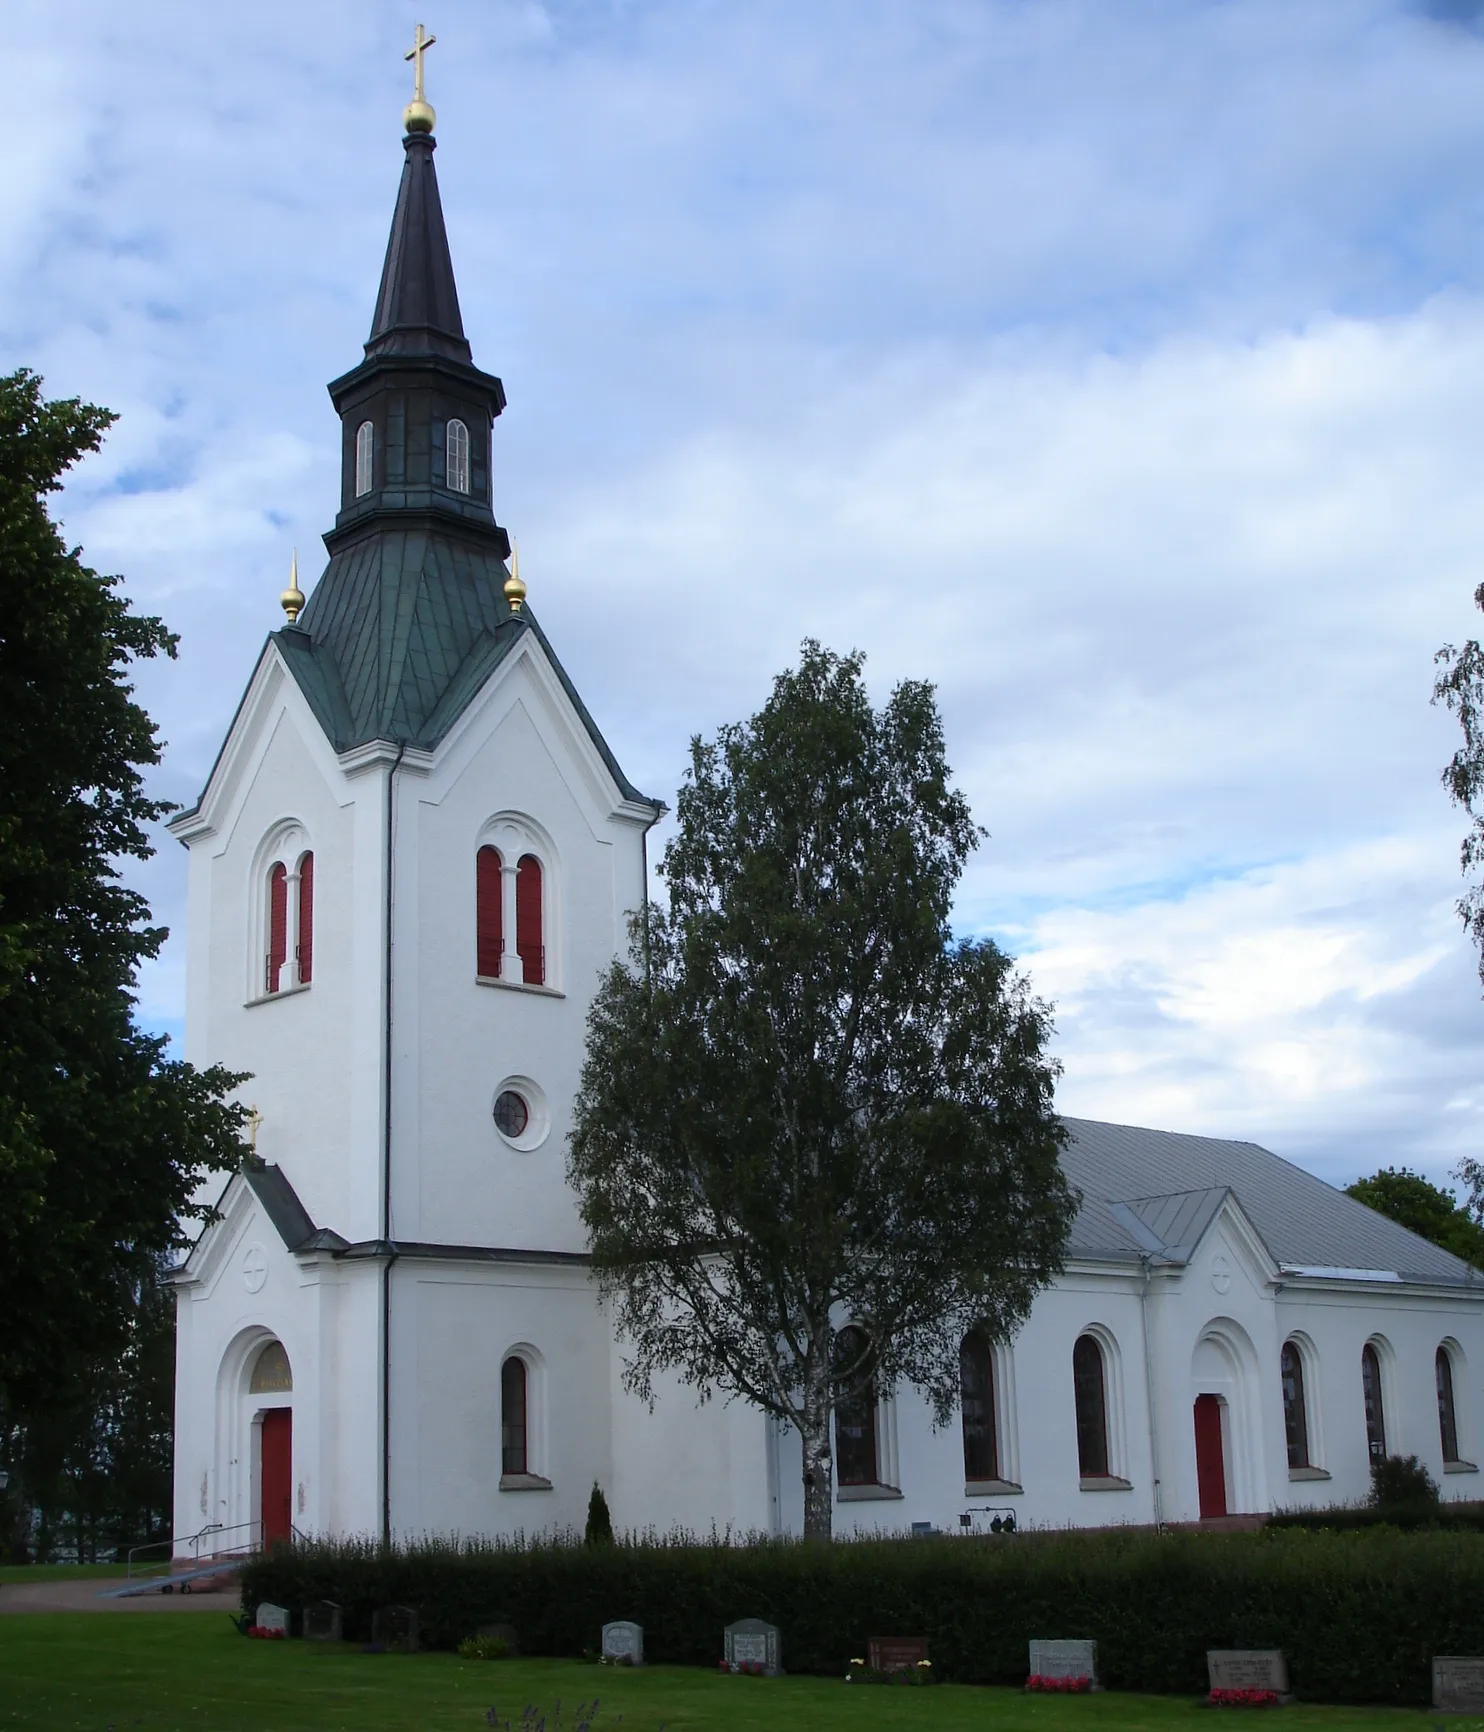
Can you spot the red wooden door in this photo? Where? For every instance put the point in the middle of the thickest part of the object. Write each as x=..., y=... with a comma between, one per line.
x=278, y=1474
x=1210, y=1461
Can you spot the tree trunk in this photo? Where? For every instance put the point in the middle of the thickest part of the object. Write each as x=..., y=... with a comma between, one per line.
x=814, y=1428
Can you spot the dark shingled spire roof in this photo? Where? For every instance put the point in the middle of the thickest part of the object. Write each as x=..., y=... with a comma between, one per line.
x=417, y=308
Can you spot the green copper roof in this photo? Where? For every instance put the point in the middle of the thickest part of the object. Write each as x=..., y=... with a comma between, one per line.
x=402, y=632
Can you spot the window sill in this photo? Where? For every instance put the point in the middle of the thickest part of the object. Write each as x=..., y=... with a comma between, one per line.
x=519, y=986
x=992, y=1488
x=865, y=1493
x=1308, y=1473
x=283, y=992
x=1460, y=1467
x=524, y=1482
x=1104, y=1482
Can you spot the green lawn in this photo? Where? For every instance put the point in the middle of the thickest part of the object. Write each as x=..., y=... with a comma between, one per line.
x=61, y=1572
x=89, y=1671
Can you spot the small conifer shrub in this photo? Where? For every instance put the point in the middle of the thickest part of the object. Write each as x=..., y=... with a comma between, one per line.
x=599, y=1531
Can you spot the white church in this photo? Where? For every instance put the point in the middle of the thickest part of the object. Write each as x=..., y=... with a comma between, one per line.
x=412, y=859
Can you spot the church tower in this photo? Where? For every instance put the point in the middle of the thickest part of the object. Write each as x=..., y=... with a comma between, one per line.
x=413, y=858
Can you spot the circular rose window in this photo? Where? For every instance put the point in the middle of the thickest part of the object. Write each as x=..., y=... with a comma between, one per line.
x=512, y=1115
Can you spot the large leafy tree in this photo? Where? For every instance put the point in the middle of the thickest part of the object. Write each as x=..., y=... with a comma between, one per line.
x=103, y=1136
x=805, y=1104
x=1408, y=1198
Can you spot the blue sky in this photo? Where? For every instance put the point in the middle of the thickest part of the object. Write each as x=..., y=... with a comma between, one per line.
x=1120, y=369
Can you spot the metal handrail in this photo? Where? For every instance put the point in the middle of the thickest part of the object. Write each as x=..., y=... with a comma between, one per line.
x=174, y=1547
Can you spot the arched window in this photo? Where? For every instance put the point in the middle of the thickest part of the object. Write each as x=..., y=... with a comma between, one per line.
x=1447, y=1414
x=976, y=1401
x=1295, y=1412
x=304, y=955
x=458, y=456
x=528, y=935
x=513, y=1455
x=1090, y=1389
x=489, y=913
x=365, y=442
x=278, y=925
x=855, y=1412
x=1375, y=1412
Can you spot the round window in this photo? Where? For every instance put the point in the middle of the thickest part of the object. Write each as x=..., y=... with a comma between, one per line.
x=512, y=1115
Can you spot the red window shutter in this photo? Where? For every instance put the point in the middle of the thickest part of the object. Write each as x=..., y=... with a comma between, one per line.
x=489, y=940
x=306, y=920
x=528, y=936
x=278, y=924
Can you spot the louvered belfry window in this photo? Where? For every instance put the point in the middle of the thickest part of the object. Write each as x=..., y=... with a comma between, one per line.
x=305, y=953
x=488, y=914
x=365, y=447
x=458, y=457
x=529, y=941
x=278, y=926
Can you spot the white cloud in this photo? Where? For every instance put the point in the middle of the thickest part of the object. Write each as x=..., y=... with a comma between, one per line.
x=1117, y=368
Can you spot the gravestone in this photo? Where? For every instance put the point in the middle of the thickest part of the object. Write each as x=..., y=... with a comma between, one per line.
x=624, y=1641
x=1458, y=1684
x=322, y=1622
x=895, y=1653
x=395, y=1629
x=1065, y=1660
x=1249, y=1669
x=498, y=1632
x=271, y=1617
x=751, y=1642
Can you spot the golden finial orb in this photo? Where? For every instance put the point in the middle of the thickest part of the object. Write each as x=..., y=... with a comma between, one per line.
x=418, y=116
x=292, y=599
x=515, y=590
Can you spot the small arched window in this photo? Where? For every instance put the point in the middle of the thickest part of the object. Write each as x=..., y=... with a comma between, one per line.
x=365, y=445
x=278, y=926
x=513, y=1431
x=976, y=1401
x=855, y=1411
x=489, y=913
x=1447, y=1413
x=529, y=938
x=1295, y=1412
x=1089, y=1387
x=304, y=955
x=458, y=457
x=1375, y=1411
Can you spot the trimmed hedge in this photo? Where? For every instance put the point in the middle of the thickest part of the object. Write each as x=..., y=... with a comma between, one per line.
x=1360, y=1615
x=1349, y=1518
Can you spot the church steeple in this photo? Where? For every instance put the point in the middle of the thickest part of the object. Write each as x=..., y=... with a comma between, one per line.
x=417, y=308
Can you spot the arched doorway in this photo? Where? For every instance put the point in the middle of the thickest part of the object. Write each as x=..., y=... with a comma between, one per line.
x=1210, y=1456
x=273, y=1376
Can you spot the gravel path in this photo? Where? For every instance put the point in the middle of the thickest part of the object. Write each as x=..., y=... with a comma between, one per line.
x=85, y=1596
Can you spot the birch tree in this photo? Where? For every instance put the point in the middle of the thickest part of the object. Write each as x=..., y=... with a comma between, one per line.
x=804, y=1104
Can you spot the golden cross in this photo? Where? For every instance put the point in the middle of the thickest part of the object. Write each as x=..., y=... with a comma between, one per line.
x=254, y=1119
x=421, y=43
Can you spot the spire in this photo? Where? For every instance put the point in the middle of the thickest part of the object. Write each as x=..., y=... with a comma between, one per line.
x=417, y=308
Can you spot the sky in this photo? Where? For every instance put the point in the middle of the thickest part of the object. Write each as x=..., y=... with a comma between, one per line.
x=1118, y=369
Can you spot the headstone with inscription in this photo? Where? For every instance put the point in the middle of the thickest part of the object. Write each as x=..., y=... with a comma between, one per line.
x=750, y=1642
x=323, y=1622
x=495, y=1631
x=395, y=1629
x=1249, y=1669
x=271, y=1617
x=624, y=1642
x=1071, y=1659
x=1458, y=1684
x=895, y=1653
